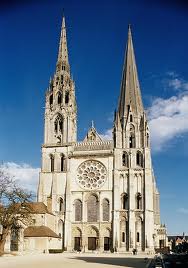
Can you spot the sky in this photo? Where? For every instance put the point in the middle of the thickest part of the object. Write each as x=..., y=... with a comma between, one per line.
x=97, y=35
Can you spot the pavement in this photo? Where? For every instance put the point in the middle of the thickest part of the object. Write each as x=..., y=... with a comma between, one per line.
x=74, y=260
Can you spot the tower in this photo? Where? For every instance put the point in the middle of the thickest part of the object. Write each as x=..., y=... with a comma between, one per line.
x=134, y=181
x=61, y=111
x=60, y=134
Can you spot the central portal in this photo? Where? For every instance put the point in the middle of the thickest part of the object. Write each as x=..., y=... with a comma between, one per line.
x=92, y=243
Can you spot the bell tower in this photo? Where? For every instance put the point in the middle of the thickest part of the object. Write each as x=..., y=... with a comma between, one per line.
x=61, y=110
x=132, y=163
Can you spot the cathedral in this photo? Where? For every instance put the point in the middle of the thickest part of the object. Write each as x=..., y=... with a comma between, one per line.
x=102, y=193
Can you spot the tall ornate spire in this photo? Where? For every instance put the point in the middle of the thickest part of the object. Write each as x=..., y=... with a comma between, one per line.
x=63, y=51
x=130, y=95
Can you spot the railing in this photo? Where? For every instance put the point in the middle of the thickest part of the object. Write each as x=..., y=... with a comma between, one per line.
x=89, y=146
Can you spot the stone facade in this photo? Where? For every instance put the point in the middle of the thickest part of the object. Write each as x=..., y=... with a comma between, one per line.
x=102, y=193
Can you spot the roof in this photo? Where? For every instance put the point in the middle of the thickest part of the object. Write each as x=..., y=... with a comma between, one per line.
x=39, y=231
x=38, y=207
x=175, y=237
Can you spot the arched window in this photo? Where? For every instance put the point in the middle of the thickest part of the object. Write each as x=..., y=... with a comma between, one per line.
x=125, y=159
x=51, y=99
x=58, y=124
x=123, y=236
x=147, y=140
x=78, y=210
x=61, y=205
x=125, y=201
x=139, y=159
x=66, y=97
x=59, y=98
x=131, y=118
x=132, y=141
x=52, y=163
x=60, y=228
x=63, y=163
x=138, y=201
x=92, y=209
x=106, y=210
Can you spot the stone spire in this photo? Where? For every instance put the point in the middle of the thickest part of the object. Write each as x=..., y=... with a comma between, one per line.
x=130, y=96
x=63, y=51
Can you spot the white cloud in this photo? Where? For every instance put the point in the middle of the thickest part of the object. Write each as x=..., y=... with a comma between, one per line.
x=26, y=175
x=176, y=82
x=168, y=119
x=183, y=210
x=107, y=135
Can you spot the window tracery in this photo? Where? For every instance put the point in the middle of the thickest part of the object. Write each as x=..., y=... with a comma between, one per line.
x=91, y=174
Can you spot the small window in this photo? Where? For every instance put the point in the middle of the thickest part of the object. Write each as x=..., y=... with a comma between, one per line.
x=63, y=168
x=61, y=126
x=55, y=126
x=125, y=159
x=132, y=141
x=66, y=97
x=52, y=163
x=138, y=201
x=51, y=99
x=59, y=98
x=138, y=237
x=61, y=207
x=125, y=201
x=139, y=159
x=123, y=236
x=131, y=118
x=147, y=141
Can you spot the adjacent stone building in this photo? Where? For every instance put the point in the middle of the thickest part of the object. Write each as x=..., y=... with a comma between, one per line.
x=103, y=194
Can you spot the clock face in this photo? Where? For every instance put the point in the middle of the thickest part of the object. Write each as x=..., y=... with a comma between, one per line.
x=91, y=175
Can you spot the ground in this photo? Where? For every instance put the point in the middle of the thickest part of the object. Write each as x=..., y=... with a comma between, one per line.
x=73, y=260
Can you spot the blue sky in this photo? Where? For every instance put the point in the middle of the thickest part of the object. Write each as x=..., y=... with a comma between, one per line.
x=97, y=34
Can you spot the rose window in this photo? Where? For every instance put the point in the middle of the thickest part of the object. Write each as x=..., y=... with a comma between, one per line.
x=91, y=174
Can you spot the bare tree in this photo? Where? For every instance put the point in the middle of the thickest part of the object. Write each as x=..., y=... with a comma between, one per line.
x=14, y=210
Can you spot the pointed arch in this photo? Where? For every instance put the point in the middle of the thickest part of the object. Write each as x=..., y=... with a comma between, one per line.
x=125, y=159
x=106, y=209
x=139, y=159
x=59, y=98
x=78, y=210
x=58, y=123
x=92, y=208
x=124, y=201
x=147, y=140
x=66, y=97
x=138, y=201
x=60, y=228
x=52, y=162
x=63, y=163
x=51, y=99
x=61, y=205
x=132, y=139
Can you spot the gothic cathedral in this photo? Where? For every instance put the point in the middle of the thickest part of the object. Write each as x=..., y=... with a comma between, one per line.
x=102, y=194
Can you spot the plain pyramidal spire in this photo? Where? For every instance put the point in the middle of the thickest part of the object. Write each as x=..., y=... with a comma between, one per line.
x=130, y=95
x=63, y=52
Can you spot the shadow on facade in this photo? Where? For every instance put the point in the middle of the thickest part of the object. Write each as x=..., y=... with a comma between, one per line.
x=126, y=262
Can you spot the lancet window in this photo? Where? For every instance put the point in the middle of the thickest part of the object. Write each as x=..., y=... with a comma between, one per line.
x=58, y=124
x=125, y=159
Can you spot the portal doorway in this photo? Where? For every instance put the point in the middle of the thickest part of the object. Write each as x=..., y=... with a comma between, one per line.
x=106, y=243
x=77, y=243
x=92, y=243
